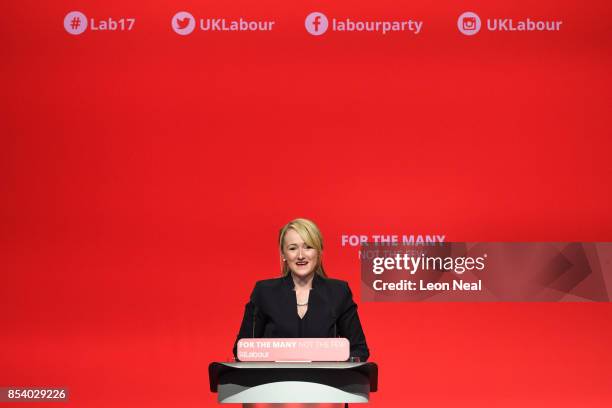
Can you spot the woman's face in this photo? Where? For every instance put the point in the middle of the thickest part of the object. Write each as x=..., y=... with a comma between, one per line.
x=301, y=258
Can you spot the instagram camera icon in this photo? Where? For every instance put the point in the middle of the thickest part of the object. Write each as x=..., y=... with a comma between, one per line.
x=468, y=23
x=316, y=23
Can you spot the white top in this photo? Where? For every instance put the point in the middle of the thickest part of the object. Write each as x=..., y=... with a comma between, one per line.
x=300, y=364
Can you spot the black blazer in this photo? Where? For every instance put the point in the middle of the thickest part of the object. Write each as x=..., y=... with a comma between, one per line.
x=271, y=312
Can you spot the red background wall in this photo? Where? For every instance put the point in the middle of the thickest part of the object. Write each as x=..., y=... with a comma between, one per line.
x=144, y=177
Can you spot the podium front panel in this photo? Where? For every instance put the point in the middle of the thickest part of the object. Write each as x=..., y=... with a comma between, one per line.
x=292, y=382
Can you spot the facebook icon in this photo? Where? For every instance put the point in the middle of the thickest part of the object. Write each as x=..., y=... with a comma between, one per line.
x=316, y=23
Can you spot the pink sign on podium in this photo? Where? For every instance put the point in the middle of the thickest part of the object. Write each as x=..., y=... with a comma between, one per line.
x=294, y=349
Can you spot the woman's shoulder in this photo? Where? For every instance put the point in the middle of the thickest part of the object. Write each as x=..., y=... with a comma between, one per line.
x=266, y=284
x=267, y=289
x=269, y=282
x=336, y=285
x=334, y=282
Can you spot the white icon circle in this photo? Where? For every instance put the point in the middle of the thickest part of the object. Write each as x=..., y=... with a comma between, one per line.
x=316, y=23
x=469, y=23
x=183, y=23
x=75, y=23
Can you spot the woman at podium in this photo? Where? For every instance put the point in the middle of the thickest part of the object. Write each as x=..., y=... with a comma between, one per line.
x=303, y=302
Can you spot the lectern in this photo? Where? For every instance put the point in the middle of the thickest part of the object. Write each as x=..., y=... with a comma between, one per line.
x=286, y=382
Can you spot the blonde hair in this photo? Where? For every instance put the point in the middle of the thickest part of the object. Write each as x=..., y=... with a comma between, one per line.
x=311, y=235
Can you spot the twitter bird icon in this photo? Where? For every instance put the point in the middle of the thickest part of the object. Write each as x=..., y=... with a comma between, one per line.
x=183, y=23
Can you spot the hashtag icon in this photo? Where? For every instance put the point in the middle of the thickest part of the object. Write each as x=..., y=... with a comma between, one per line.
x=75, y=23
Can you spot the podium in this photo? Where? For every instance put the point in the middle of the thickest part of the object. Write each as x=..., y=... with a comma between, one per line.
x=316, y=382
